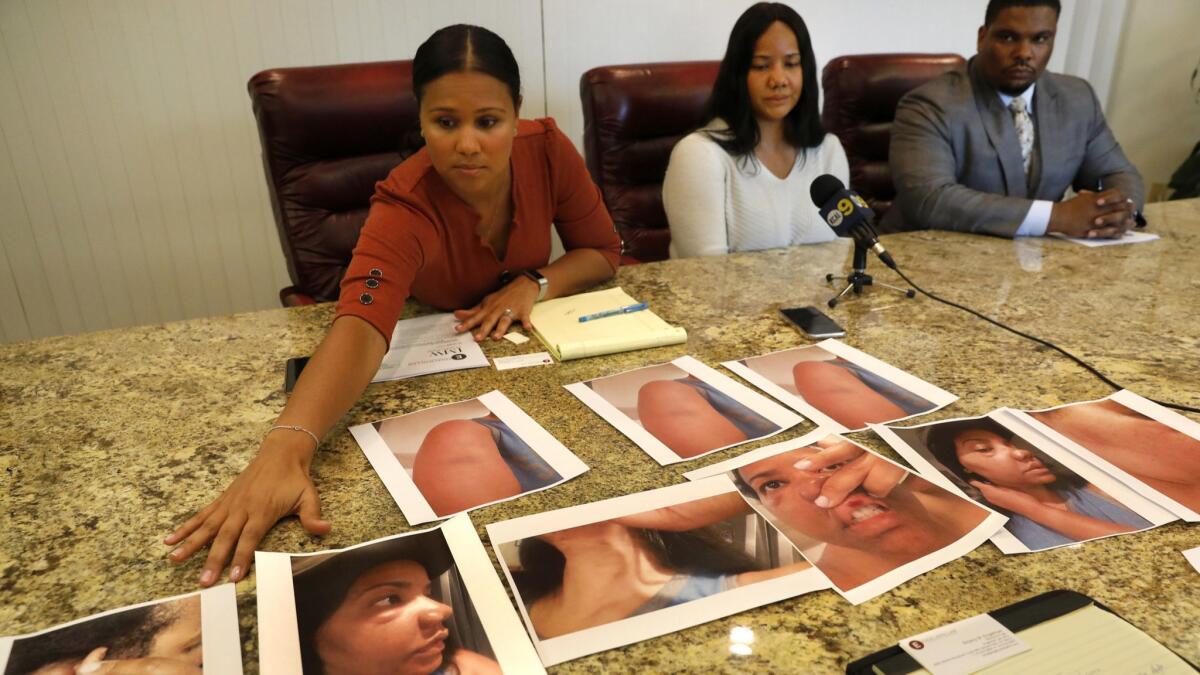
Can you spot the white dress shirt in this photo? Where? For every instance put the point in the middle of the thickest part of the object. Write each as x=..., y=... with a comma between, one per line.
x=1037, y=219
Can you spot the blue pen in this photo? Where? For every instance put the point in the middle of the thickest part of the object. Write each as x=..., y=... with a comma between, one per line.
x=628, y=309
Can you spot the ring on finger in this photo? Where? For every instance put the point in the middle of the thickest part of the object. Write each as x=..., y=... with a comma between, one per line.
x=508, y=312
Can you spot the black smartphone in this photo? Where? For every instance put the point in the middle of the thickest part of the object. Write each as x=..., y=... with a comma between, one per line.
x=294, y=366
x=813, y=322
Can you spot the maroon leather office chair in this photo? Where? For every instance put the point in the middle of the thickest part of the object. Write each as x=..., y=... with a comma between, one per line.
x=861, y=93
x=328, y=134
x=632, y=116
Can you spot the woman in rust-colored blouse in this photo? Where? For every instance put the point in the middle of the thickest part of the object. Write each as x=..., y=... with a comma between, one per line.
x=420, y=240
x=465, y=225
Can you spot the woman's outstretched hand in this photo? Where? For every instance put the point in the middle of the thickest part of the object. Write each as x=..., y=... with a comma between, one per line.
x=274, y=485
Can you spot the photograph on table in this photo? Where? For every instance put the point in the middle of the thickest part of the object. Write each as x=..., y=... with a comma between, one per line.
x=417, y=603
x=1147, y=447
x=615, y=572
x=839, y=387
x=867, y=523
x=1051, y=497
x=683, y=409
x=193, y=633
x=455, y=457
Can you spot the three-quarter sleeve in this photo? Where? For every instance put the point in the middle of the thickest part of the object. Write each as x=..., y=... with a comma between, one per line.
x=580, y=216
x=392, y=248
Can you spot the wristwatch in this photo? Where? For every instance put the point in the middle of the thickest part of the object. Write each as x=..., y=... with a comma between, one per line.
x=537, y=277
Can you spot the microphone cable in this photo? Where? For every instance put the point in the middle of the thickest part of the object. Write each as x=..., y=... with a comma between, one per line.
x=1103, y=378
x=847, y=213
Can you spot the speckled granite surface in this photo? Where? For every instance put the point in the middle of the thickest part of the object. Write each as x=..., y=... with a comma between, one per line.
x=108, y=439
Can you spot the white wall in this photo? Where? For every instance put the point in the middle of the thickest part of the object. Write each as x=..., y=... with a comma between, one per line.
x=131, y=186
x=1151, y=106
x=1091, y=52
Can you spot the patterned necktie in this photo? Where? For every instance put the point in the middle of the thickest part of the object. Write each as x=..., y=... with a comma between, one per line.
x=1024, y=125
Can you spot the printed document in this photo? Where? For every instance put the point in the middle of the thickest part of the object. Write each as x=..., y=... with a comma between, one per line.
x=428, y=344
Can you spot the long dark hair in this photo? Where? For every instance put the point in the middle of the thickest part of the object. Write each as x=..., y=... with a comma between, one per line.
x=730, y=98
x=464, y=48
x=699, y=551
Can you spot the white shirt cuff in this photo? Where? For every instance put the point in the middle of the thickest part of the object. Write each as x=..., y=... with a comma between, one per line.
x=1037, y=219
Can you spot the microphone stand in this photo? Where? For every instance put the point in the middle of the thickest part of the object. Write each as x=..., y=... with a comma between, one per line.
x=859, y=279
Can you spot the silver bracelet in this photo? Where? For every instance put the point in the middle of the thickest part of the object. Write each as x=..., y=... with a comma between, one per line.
x=296, y=427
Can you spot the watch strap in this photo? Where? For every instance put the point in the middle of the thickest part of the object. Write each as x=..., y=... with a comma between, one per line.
x=540, y=279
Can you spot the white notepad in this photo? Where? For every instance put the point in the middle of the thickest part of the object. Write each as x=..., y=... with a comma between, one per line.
x=556, y=323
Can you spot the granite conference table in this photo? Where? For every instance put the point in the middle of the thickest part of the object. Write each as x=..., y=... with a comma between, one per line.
x=108, y=439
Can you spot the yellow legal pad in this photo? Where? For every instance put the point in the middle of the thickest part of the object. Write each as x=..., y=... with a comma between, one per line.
x=556, y=324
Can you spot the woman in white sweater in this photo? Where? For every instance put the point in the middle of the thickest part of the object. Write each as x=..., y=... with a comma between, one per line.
x=740, y=183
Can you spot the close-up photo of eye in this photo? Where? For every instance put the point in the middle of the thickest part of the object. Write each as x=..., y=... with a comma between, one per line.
x=833, y=467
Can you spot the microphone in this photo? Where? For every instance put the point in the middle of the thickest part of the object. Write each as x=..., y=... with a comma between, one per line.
x=848, y=214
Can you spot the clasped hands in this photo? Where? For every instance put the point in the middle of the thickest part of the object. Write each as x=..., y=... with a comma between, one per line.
x=1095, y=215
x=498, y=311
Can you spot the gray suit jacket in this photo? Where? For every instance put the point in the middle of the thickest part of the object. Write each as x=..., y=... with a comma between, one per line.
x=956, y=161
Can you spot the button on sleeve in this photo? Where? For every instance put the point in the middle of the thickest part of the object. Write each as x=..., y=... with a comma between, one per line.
x=386, y=260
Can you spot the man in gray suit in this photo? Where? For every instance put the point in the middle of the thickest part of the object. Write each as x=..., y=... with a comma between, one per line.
x=993, y=149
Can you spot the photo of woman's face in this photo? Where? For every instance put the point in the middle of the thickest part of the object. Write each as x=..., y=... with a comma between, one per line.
x=998, y=461
x=387, y=623
x=897, y=523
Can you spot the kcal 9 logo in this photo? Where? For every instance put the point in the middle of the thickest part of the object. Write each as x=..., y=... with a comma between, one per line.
x=846, y=204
